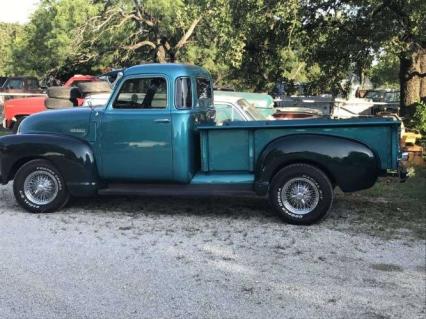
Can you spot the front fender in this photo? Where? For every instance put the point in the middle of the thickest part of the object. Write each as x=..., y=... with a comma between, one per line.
x=349, y=164
x=71, y=156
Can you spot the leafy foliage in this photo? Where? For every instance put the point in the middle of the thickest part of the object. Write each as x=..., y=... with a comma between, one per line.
x=351, y=33
x=419, y=118
x=9, y=33
x=386, y=72
x=48, y=39
x=245, y=44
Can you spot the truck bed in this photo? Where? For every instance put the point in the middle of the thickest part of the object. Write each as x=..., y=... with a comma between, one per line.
x=235, y=146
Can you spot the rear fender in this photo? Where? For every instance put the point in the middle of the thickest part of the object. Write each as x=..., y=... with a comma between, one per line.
x=71, y=156
x=349, y=164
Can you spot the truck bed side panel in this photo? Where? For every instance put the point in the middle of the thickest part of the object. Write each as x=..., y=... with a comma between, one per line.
x=237, y=147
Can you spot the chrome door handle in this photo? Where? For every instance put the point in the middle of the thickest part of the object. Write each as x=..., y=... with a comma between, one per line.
x=162, y=121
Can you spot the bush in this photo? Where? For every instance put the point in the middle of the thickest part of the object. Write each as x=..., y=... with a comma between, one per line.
x=419, y=117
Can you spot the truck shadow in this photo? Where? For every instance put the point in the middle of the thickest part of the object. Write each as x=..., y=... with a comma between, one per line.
x=234, y=207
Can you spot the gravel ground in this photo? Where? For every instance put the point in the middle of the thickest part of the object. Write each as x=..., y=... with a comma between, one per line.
x=203, y=258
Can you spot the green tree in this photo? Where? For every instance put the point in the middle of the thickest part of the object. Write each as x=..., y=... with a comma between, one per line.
x=269, y=48
x=245, y=44
x=250, y=44
x=132, y=31
x=345, y=35
x=386, y=72
x=49, y=38
x=9, y=34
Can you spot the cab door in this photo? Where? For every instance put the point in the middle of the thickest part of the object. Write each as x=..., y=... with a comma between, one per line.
x=135, y=132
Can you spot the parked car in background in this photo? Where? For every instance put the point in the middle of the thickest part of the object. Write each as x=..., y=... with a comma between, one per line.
x=384, y=100
x=294, y=113
x=234, y=108
x=375, y=95
x=21, y=84
x=322, y=104
x=18, y=86
x=262, y=101
x=17, y=109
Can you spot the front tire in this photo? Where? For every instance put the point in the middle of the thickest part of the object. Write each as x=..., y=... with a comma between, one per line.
x=301, y=194
x=39, y=187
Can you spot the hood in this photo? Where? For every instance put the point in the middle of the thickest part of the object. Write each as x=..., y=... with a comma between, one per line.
x=71, y=122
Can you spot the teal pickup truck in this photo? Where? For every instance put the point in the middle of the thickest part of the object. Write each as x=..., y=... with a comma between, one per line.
x=157, y=135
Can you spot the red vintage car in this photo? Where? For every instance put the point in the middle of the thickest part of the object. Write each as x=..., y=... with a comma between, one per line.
x=17, y=109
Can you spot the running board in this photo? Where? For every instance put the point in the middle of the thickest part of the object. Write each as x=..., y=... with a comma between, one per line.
x=178, y=190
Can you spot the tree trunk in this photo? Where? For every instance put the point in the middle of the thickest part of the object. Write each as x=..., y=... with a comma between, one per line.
x=412, y=81
x=161, y=54
x=422, y=65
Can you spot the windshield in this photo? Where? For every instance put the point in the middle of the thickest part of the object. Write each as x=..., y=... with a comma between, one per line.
x=392, y=97
x=14, y=84
x=251, y=110
x=376, y=96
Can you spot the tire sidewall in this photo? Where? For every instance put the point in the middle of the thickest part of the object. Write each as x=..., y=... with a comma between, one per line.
x=320, y=181
x=18, y=187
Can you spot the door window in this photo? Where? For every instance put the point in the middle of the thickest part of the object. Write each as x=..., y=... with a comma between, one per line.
x=142, y=93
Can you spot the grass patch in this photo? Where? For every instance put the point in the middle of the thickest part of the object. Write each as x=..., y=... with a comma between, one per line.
x=411, y=194
x=389, y=208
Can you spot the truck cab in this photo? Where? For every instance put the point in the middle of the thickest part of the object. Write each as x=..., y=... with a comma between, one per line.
x=151, y=120
x=157, y=134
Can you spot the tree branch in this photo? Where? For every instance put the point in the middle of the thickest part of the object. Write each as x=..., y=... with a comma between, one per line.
x=141, y=44
x=188, y=34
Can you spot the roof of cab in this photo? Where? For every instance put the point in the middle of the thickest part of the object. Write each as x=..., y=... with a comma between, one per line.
x=172, y=69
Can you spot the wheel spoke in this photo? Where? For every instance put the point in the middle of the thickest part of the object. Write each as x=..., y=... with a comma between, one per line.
x=41, y=187
x=300, y=195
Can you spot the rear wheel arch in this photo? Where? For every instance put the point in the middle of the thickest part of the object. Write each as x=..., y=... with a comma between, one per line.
x=312, y=163
x=348, y=163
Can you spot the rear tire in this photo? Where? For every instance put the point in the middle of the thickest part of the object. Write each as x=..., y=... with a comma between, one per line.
x=301, y=194
x=59, y=92
x=53, y=103
x=39, y=187
x=87, y=88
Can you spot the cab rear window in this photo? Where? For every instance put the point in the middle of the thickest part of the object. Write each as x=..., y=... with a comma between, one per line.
x=183, y=96
x=204, y=92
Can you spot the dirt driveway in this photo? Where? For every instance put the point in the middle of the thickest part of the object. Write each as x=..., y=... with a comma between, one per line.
x=208, y=258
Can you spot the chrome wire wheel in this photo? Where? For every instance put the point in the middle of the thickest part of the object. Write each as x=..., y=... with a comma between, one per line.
x=300, y=195
x=41, y=187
